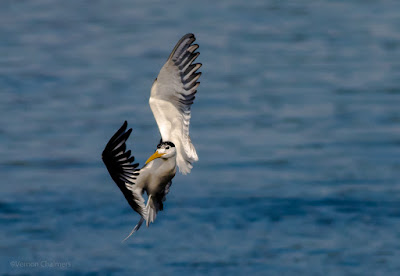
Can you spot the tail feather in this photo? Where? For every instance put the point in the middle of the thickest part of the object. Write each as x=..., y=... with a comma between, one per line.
x=135, y=228
x=151, y=211
x=149, y=215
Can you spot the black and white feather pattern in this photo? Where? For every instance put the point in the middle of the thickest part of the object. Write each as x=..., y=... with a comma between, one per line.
x=172, y=96
x=183, y=56
x=119, y=164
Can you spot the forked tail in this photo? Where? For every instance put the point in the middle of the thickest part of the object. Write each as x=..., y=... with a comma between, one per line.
x=149, y=214
x=151, y=211
x=135, y=228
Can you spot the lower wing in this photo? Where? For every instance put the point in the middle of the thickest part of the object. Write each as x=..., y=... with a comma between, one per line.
x=119, y=164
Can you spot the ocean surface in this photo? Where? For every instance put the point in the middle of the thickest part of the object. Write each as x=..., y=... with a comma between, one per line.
x=296, y=124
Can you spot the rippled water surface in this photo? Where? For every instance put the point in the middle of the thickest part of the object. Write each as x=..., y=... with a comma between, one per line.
x=296, y=123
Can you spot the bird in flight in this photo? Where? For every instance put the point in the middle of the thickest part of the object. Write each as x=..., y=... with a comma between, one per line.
x=171, y=98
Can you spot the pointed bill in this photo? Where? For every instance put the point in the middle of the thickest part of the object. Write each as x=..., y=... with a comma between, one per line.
x=154, y=156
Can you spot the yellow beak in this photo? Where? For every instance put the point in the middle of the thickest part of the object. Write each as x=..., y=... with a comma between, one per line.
x=154, y=156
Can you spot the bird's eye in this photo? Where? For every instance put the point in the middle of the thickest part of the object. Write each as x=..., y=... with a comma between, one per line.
x=167, y=147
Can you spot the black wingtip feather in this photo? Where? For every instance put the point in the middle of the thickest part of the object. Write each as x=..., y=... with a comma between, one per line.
x=120, y=165
x=190, y=79
x=182, y=45
x=117, y=134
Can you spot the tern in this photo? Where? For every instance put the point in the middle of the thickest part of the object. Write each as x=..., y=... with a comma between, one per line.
x=172, y=95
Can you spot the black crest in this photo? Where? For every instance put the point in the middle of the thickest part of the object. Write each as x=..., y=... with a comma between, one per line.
x=165, y=143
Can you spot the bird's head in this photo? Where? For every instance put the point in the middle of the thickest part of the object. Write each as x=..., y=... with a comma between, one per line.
x=164, y=150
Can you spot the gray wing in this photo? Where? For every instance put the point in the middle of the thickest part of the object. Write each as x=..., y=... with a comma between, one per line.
x=172, y=96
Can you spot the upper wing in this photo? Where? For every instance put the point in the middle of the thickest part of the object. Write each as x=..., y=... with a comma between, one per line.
x=172, y=95
x=122, y=171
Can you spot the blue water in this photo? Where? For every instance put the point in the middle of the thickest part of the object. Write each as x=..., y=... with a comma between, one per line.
x=296, y=123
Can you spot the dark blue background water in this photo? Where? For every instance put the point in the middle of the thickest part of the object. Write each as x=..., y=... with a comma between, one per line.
x=296, y=123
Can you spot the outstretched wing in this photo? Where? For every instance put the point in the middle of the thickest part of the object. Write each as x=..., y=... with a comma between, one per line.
x=172, y=96
x=119, y=164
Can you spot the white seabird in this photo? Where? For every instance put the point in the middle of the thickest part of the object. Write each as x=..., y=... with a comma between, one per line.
x=172, y=95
